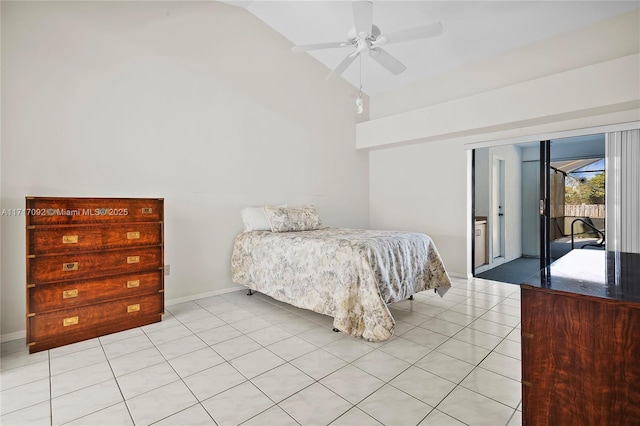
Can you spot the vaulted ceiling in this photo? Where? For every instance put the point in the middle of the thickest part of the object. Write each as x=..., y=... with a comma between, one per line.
x=472, y=31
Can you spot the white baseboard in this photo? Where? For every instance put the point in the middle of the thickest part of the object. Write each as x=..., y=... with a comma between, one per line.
x=203, y=295
x=22, y=334
x=463, y=276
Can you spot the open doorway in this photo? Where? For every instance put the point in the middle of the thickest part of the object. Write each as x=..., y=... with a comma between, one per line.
x=576, y=203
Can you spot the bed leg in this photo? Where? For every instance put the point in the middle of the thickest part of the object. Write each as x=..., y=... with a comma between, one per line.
x=411, y=297
x=336, y=330
x=250, y=292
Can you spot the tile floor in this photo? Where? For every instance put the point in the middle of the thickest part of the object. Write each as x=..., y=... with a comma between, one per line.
x=234, y=359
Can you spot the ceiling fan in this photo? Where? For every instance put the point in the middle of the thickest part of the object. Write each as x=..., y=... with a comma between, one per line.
x=367, y=37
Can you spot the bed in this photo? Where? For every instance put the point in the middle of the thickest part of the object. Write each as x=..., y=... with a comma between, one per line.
x=348, y=274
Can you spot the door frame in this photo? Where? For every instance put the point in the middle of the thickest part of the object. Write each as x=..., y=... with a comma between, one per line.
x=545, y=204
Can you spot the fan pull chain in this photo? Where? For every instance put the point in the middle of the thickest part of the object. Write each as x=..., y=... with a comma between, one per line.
x=359, y=105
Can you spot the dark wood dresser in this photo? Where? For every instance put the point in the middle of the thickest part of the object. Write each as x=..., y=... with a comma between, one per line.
x=94, y=266
x=581, y=341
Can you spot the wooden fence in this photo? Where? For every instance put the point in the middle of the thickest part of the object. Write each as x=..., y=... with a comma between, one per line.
x=584, y=210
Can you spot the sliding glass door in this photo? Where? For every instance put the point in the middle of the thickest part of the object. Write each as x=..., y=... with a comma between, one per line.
x=570, y=189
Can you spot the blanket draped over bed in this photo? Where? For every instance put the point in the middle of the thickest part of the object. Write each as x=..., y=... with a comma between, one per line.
x=349, y=274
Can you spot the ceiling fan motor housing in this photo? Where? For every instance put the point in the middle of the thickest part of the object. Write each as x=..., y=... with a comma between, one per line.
x=352, y=35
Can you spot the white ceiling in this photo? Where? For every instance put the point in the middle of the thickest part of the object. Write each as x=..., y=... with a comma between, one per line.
x=473, y=30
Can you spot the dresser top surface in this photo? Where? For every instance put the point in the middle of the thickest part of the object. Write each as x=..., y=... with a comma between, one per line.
x=597, y=273
x=36, y=198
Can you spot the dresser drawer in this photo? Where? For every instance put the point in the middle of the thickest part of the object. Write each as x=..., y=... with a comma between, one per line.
x=51, y=211
x=66, y=295
x=60, y=239
x=76, y=266
x=49, y=329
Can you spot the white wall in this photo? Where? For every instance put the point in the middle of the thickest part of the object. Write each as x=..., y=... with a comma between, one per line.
x=577, y=80
x=483, y=182
x=196, y=102
x=417, y=188
x=570, y=95
x=1, y=204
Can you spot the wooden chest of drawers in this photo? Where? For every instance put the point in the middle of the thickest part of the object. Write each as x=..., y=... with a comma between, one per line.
x=94, y=266
x=580, y=345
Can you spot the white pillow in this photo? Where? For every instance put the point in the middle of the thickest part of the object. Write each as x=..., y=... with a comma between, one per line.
x=255, y=219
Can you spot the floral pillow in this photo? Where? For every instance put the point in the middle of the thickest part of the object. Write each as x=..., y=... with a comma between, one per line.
x=283, y=219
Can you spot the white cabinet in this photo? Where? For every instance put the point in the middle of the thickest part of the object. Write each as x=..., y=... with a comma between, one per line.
x=481, y=242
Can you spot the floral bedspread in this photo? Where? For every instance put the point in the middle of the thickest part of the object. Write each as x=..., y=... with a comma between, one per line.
x=349, y=274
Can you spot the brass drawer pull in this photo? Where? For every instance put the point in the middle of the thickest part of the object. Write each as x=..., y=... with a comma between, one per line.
x=133, y=308
x=133, y=283
x=69, y=239
x=68, y=294
x=133, y=235
x=69, y=321
x=133, y=259
x=147, y=210
x=71, y=266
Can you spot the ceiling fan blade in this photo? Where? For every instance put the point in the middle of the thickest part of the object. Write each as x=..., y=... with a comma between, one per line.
x=363, y=17
x=386, y=60
x=344, y=64
x=307, y=47
x=425, y=31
